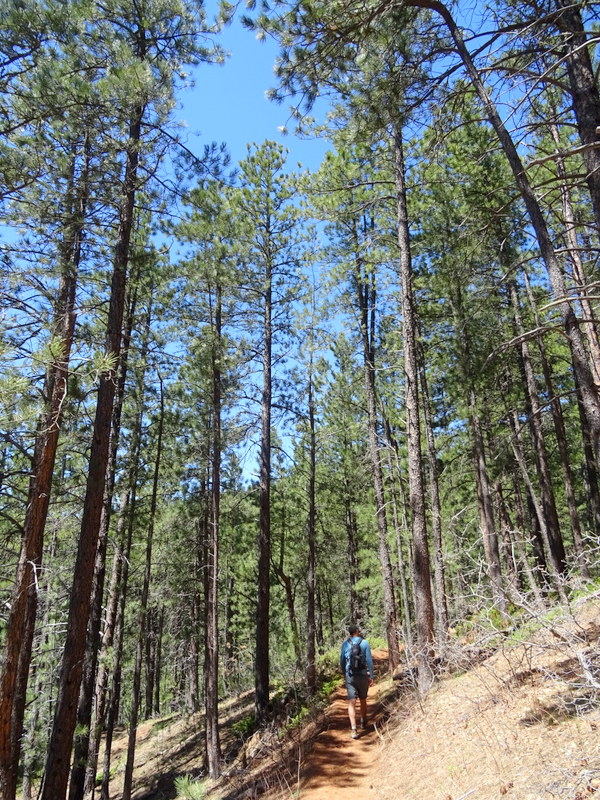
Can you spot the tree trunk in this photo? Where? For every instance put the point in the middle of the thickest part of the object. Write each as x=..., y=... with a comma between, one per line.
x=508, y=544
x=416, y=485
x=311, y=660
x=158, y=658
x=584, y=93
x=486, y=510
x=484, y=494
x=401, y=526
x=590, y=464
x=561, y=440
x=539, y=445
x=23, y=607
x=351, y=550
x=143, y=616
x=81, y=750
x=365, y=286
x=587, y=386
x=441, y=604
x=264, y=536
x=522, y=565
x=539, y=511
x=115, y=689
x=150, y=662
x=211, y=692
x=589, y=321
x=117, y=590
x=61, y=739
x=116, y=616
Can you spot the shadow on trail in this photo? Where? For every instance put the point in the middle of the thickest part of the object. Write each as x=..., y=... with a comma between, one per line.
x=321, y=758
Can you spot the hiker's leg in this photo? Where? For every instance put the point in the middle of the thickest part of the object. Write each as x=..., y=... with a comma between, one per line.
x=352, y=695
x=363, y=708
x=352, y=712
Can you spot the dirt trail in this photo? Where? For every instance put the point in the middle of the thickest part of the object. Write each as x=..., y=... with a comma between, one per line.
x=337, y=766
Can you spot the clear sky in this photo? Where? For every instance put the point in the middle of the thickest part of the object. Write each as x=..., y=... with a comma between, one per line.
x=228, y=102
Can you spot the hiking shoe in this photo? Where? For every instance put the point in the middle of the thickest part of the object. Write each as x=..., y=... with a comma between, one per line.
x=354, y=733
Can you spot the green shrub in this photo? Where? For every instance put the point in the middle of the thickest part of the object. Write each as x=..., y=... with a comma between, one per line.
x=189, y=789
x=244, y=727
x=298, y=719
x=329, y=687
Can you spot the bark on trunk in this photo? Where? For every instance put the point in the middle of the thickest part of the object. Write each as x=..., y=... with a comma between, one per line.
x=351, y=551
x=311, y=535
x=561, y=440
x=81, y=751
x=402, y=530
x=211, y=691
x=539, y=444
x=416, y=485
x=262, y=669
x=142, y=620
x=366, y=293
x=588, y=388
x=61, y=739
x=584, y=92
x=441, y=604
x=539, y=511
x=23, y=608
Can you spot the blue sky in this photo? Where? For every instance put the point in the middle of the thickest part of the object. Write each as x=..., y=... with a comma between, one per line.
x=228, y=102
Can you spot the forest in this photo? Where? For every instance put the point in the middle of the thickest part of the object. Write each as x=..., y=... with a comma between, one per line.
x=244, y=404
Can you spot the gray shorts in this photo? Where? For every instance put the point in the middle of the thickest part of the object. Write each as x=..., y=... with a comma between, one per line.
x=357, y=686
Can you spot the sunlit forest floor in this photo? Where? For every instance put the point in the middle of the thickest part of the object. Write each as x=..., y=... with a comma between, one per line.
x=522, y=722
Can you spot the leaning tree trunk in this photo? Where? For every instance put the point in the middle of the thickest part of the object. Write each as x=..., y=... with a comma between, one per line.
x=589, y=321
x=583, y=373
x=23, y=607
x=485, y=503
x=555, y=571
x=537, y=438
x=143, y=615
x=56, y=773
x=584, y=93
x=416, y=484
x=561, y=440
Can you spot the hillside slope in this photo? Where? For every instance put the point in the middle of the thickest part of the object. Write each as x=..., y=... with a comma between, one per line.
x=524, y=723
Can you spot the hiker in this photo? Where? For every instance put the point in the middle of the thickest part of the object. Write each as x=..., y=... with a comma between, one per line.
x=356, y=664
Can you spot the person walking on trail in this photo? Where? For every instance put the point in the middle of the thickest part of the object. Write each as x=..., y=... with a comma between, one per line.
x=356, y=664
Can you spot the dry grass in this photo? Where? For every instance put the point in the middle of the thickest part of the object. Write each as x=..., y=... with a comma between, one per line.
x=524, y=723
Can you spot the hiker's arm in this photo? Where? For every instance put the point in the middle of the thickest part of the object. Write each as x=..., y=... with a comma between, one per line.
x=369, y=658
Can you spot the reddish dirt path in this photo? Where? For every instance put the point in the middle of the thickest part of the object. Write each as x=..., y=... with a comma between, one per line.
x=337, y=766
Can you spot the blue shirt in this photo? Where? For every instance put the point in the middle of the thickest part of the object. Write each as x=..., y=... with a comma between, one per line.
x=345, y=654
